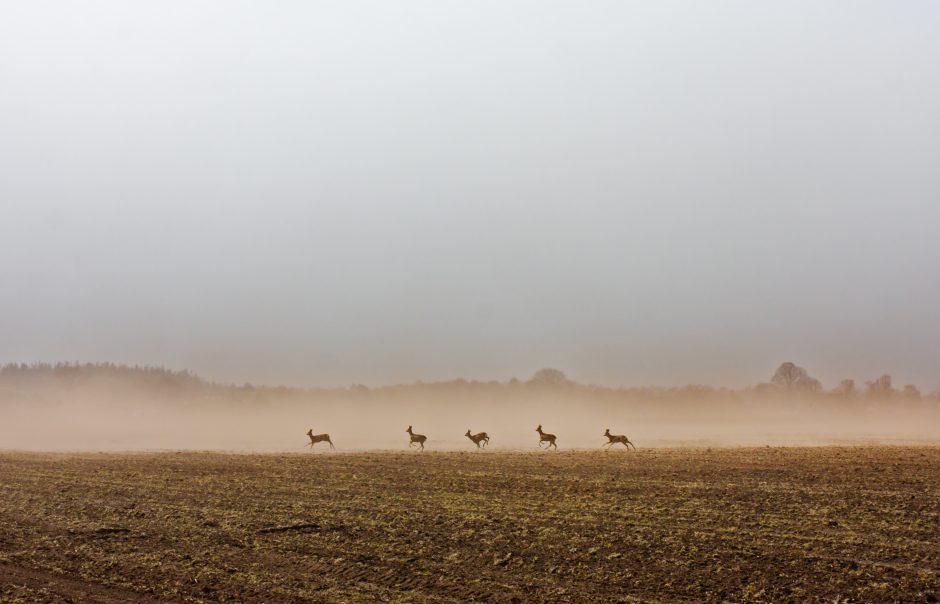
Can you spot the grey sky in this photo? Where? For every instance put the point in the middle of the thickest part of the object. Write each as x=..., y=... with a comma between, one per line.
x=330, y=192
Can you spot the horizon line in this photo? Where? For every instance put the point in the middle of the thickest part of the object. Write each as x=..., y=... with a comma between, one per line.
x=11, y=365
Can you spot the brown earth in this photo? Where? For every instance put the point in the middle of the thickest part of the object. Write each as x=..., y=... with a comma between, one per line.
x=759, y=524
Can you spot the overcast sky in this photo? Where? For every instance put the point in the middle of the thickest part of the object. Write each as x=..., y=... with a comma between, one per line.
x=320, y=193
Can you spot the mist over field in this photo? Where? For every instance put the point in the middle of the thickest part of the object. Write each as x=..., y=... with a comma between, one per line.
x=105, y=407
x=325, y=194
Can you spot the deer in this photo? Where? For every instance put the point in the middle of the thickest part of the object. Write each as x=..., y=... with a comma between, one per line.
x=545, y=437
x=416, y=439
x=318, y=438
x=477, y=438
x=617, y=438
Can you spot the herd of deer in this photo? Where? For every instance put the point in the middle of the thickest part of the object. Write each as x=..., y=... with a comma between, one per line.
x=418, y=440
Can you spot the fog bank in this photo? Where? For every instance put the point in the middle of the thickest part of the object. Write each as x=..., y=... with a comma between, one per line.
x=113, y=408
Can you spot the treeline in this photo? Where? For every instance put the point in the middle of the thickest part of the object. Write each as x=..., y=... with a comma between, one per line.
x=790, y=378
x=75, y=374
x=788, y=381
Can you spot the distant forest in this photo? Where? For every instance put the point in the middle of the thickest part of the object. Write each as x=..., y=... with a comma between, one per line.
x=788, y=381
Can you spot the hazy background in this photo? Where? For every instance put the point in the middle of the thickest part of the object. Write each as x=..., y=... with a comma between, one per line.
x=109, y=407
x=335, y=192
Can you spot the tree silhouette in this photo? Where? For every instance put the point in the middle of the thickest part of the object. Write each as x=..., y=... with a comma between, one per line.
x=792, y=377
x=549, y=377
x=881, y=386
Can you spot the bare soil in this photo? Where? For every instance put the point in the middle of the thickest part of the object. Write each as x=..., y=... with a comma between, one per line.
x=847, y=524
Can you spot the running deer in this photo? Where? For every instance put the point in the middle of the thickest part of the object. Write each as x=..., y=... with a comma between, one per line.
x=318, y=438
x=477, y=438
x=416, y=439
x=618, y=438
x=545, y=437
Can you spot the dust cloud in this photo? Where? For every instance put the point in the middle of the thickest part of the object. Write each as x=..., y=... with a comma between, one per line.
x=110, y=408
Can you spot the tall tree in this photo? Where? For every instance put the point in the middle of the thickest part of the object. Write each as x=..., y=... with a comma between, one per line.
x=881, y=386
x=792, y=377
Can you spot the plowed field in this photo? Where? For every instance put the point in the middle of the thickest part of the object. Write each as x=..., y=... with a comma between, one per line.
x=763, y=525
